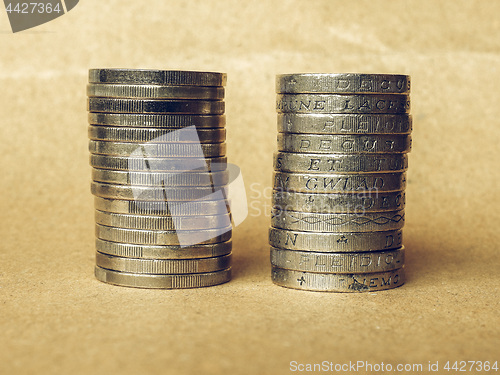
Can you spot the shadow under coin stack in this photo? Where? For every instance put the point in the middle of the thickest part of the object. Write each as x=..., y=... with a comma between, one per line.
x=157, y=143
x=338, y=203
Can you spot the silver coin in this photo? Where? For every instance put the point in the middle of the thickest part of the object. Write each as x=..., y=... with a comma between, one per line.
x=163, y=281
x=195, y=107
x=337, y=222
x=163, y=121
x=166, y=179
x=331, y=123
x=168, y=195
x=335, y=242
x=155, y=91
x=208, y=150
x=157, y=77
x=312, y=261
x=162, y=251
x=162, y=222
x=343, y=83
x=339, y=163
x=328, y=143
x=187, y=208
x=162, y=266
x=339, y=183
x=338, y=202
x=162, y=237
x=145, y=163
x=332, y=103
x=141, y=135
x=330, y=282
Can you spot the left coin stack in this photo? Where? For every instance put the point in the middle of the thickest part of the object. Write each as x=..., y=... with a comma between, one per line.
x=159, y=176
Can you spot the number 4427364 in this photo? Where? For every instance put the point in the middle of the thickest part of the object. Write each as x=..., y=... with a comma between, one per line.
x=25, y=8
x=471, y=366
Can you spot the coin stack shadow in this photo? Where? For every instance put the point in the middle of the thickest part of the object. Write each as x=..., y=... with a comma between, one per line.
x=157, y=144
x=339, y=181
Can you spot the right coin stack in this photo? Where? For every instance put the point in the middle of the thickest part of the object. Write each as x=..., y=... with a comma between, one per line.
x=339, y=181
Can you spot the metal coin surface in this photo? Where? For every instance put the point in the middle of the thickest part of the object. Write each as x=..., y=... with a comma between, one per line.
x=331, y=123
x=163, y=266
x=339, y=183
x=333, y=103
x=360, y=262
x=162, y=237
x=163, y=121
x=164, y=150
x=195, y=107
x=339, y=163
x=126, y=250
x=337, y=222
x=343, y=83
x=157, y=77
x=330, y=282
x=335, y=242
x=329, y=144
x=162, y=281
x=154, y=91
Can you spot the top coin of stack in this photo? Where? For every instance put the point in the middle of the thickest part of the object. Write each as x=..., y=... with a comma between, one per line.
x=338, y=203
x=157, y=143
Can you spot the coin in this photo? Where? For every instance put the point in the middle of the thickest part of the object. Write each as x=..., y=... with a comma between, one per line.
x=337, y=222
x=146, y=163
x=157, y=77
x=330, y=123
x=339, y=183
x=332, y=103
x=350, y=83
x=338, y=202
x=340, y=143
x=339, y=163
x=164, y=121
x=163, y=150
x=162, y=266
x=359, y=262
x=155, y=91
x=162, y=251
x=335, y=242
x=208, y=207
x=162, y=237
x=168, y=195
x=139, y=135
x=165, y=179
x=331, y=282
x=163, y=281
x=162, y=222
x=111, y=105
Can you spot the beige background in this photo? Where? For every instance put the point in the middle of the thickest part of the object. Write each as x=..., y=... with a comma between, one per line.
x=56, y=318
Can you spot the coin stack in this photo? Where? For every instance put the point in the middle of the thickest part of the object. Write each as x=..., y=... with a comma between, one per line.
x=157, y=144
x=339, y=181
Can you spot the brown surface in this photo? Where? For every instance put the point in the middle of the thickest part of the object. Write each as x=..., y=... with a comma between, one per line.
x=56, y=318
